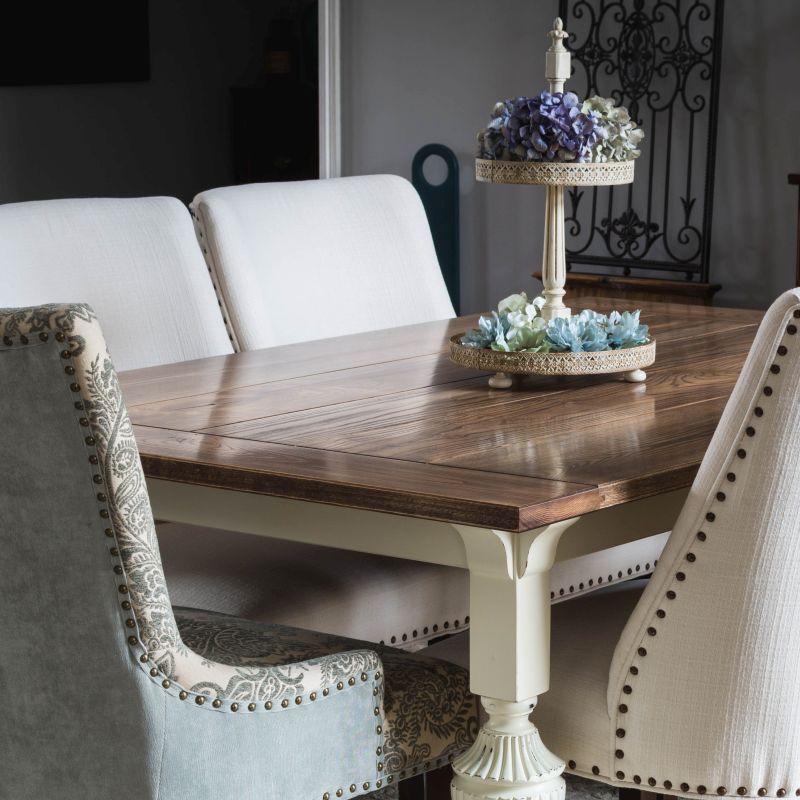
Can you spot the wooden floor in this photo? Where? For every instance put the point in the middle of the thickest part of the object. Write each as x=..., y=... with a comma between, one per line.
x=385, y=421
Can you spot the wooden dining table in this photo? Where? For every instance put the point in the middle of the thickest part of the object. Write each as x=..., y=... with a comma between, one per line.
x=376, y=442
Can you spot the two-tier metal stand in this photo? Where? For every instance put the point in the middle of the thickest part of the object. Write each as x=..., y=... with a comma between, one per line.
x=555, y=175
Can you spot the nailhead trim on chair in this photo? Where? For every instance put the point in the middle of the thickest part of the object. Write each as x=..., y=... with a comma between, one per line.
x=426, y=631
x=690, y=557
x=631, y=571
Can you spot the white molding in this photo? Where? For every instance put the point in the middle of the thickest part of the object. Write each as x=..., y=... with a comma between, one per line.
x=330, y=96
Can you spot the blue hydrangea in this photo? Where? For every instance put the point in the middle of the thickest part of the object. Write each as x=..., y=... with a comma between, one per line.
x=625, y=330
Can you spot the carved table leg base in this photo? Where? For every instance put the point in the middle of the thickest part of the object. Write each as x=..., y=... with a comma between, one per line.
x=500, y=381
x=508, y=760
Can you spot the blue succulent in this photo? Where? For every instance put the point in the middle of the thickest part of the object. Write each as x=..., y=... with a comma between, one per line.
x=625, y=330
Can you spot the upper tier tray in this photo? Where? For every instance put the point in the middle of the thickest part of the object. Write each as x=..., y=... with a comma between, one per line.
x=555, y=173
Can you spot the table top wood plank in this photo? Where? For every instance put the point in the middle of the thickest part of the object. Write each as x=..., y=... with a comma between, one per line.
x=385, y=421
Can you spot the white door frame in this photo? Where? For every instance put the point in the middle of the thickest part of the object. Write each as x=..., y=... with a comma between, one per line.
x=330, y=98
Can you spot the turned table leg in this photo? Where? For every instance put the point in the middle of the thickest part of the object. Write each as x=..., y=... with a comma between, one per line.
x=509, y=664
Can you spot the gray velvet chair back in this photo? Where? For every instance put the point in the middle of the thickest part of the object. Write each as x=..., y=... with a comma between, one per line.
x=69, y=683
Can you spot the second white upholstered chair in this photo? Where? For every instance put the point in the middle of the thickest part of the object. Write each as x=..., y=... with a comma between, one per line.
x=691, y=686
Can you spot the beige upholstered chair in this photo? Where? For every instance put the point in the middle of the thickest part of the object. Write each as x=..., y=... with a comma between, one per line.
x=690, y=684
x=357, y=253
x=110, y=692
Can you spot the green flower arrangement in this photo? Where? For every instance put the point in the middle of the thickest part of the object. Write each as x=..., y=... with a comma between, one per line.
x=517, y=326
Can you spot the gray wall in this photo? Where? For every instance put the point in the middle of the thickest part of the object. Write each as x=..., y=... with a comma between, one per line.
x=418, y=71
x=167, y=136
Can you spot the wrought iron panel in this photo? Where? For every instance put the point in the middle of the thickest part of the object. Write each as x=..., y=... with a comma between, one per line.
x=661, y=59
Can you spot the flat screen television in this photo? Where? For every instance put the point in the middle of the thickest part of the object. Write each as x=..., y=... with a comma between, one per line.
x=90, y=41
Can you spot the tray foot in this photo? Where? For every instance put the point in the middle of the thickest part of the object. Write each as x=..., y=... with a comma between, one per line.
x=634, y=376
x=500, y=381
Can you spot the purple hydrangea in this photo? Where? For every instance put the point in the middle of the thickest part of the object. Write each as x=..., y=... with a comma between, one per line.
x=548, y=127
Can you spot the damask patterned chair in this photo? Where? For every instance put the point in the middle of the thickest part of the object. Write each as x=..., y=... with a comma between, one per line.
x=690, y=685
x=112, y=693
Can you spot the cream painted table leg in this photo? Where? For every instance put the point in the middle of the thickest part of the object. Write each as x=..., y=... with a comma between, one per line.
x=509, y=664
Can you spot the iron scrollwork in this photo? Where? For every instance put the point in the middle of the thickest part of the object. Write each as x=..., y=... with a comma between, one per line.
x=661, y=59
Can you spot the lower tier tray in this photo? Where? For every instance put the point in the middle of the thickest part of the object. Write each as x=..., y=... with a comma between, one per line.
x=628, y=361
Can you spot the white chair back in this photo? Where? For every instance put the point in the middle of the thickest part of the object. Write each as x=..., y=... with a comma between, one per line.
x=313, y=259
x=706, y=675
x=136, y=261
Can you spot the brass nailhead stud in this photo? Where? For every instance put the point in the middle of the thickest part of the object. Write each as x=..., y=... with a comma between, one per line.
x=351, y=682
x=762, y=792
x=23, y=339
x=268, y=705
x=133, y=641
x=742, y=790
x=144, y=658
x=339, y=792
x=651, y=631
x=326, y=796
x=366, y=785
x=721, y=790
x=380, y=765
x=251, y=707
x=750, y=431
x=796, y=315
x=217, y=703
x=377, y=675
x=637, y=779
x=684, y=787
x=165, y=683
x=298, y=700
x=667, y=784
x=114, y=551
x=118, y=569
x=352, y=787
x=340, y=685
x=620, y=776
x=326, y=692
x=200, y=700
x=84, y=422
x=671, y=595
x=721, y=497
x=731, y=476
x=758, y=411
x=627, y=689
x=183, y=695
x=768, y=391
x=634, y=670
x=378, y=784
x=741, y=453
x=44, y=336
x=623, y=709
x=75, y=387
x=782, y=351
x=701, y=536
x=661, y=613
x=97, y=478
x=60, y=336
x=642, y=652
x=8, y=341
x=571, y=764
x=130, y=623
x=379, y=729
x=154, y=672
x=595, y=770
x=791, y=330
x=234, y=707
x=312, y=697
x=774, y=369
x=651, y=781
x=364, y=676
x=711, y=516
x=619, y=754
x=620, y=733
x=65, y=354
x=680, y=576
x=701, y=789
x=781, y=793
x=691, y=558
x=284, y=703
x=89, y=441
x=108, y=532
x=104, y=513
x=377, y=711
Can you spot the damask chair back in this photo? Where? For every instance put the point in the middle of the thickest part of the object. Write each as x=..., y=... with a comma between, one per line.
x=102, y=692
x=309, y=260
x=136, y=260
x=705, y=682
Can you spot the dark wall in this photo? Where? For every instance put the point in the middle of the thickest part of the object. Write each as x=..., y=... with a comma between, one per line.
x=170, y=135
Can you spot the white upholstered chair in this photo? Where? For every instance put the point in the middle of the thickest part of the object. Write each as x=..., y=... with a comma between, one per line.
x=357, y=255
x=690, y=685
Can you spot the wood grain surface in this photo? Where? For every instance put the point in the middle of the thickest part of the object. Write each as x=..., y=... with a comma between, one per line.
x=384, y=421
